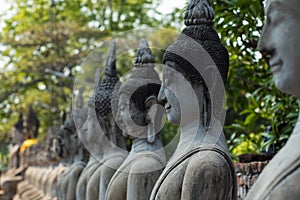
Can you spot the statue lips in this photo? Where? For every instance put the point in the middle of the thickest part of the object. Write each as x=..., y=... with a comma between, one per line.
x=276, y=65
x=168, y=107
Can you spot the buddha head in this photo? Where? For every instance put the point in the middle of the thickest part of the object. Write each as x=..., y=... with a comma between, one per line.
x=67, y=137
x=280, y=44
x=100, y=121
x=136, y=115
x=194, y=65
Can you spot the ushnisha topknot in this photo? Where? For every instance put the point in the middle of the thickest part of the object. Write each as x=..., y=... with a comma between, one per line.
x=106, y=85
x=199, y=12
x=143, y=73
x=144, y=63
x=143, y=80
x=198, y=19
x=144, y=54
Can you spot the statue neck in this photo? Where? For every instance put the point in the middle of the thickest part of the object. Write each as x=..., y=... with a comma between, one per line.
x=111, y=150
x=80, y=154
x=111, y=147
x=191, y=131
x=194, y=134
x=142, y=144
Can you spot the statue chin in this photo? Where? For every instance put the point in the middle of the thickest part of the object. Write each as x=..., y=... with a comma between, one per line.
x=174, y=119
x=286, y=85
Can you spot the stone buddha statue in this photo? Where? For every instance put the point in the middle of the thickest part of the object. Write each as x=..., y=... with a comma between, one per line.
x=17, y=140
x=279, y=44
x=112, y=141
x=89, y=135
x=61, y=146
x=140, y=120
x=192, y=92
x=66, y=137
x=103, y=134
x=66, y=186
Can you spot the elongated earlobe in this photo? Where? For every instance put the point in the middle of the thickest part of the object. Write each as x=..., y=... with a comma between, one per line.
x=150, y=118
x=150, y=101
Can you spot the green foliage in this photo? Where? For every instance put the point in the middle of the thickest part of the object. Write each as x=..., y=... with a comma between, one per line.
x=4, y=154
x=42, y=47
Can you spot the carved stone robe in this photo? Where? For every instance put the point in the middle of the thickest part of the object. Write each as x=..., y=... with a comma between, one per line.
x=280, y=179
x=202, y=172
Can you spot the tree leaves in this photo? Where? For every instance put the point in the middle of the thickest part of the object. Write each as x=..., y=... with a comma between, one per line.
x=43, y=43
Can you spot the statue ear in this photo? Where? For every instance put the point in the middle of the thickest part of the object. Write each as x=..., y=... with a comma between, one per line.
x=212, y=73
x=150, y=101
x=217, y=94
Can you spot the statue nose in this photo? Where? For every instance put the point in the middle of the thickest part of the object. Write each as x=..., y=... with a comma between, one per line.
x=161, y=96
x=265, y=45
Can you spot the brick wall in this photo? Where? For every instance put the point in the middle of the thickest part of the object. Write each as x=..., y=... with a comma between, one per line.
x=247, y=174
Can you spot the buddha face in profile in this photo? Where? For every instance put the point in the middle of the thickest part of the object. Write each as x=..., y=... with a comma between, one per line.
x=280, y=43
x=91, y=127
x=178, y=96
x=167, y=96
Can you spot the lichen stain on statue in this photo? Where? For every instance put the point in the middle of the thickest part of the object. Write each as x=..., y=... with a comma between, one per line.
x=140, y=121
x=108, y=138
x=66, y=186
x=279, y=44
x=200, y=167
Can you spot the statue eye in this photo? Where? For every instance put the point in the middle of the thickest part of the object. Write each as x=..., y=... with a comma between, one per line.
x=122, y=107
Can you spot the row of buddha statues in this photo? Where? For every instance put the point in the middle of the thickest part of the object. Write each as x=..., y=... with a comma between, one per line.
x=90, y=153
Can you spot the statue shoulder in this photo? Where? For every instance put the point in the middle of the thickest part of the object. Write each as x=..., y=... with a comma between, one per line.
x=209, y=172
x=209, y=161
